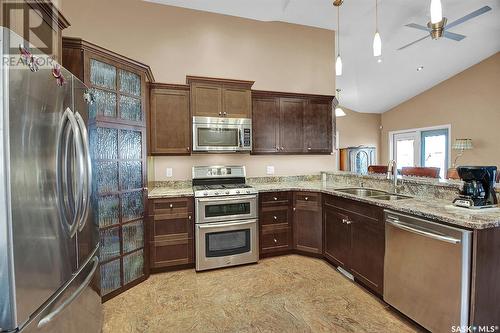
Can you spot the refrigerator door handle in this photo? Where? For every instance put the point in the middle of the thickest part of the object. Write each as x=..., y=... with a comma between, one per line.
x=87, y=188
x=69, y=205
x=48, y=318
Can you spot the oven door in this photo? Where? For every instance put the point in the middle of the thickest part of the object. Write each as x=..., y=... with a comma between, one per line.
x=215, y=134
x=226, y=208
x=226, y=244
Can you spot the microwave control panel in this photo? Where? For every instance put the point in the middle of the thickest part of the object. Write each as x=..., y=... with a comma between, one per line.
x=246, y=137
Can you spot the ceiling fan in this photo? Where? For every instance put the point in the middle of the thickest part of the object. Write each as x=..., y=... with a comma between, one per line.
x=436, y=32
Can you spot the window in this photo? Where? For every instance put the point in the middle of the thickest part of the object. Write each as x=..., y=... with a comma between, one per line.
x=426, y=147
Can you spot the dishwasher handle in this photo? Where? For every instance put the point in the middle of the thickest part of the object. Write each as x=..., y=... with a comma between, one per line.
x=412, y=229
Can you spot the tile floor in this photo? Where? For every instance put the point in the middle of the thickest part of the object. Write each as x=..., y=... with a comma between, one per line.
x=282, y=294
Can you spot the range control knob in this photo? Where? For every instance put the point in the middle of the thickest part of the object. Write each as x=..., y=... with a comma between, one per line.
x=248, y=191
x=216, y=193
x=237, y=192
x=205, y=193
x=227, y=192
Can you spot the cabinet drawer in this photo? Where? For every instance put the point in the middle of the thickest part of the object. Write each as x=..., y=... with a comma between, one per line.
x=172, y=226
x=277, y=215
x=175, y=207
x=305, y=200
x=275, y=238
x=356, y=207
x=171, y=252
x=275, y=197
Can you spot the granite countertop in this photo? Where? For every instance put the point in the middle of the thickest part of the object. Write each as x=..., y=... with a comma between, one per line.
x=436, y=209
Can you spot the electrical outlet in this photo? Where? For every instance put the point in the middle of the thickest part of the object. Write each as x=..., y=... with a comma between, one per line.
x=169, y=172
x=270, y=170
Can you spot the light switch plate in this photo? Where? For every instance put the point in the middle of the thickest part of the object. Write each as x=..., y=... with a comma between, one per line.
x=169, y=172
x=270, y=170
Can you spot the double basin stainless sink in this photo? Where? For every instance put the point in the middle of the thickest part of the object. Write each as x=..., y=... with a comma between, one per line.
x=373, y=194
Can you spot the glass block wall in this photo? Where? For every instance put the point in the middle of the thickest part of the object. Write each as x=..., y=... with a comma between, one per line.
x=117, y=137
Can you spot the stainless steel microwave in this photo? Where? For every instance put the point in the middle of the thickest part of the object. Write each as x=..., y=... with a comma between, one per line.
x=213, y=134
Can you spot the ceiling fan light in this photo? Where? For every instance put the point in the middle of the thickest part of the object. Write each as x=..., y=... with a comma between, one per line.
x=339, y=112
x=436, y=11
x=338, y=66
x=377, y=45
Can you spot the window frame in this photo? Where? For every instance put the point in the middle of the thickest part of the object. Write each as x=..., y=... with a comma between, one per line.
x=418, y=136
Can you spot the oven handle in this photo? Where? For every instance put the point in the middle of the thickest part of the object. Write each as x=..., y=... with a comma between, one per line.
x=246, y=197
x=222, y=225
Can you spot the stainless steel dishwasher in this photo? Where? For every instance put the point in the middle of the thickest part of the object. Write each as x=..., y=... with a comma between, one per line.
x=427, y=271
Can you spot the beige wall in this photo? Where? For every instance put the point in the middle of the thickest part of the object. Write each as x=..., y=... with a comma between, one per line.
x=177, y=42
x=359, y=129
x=469, y=101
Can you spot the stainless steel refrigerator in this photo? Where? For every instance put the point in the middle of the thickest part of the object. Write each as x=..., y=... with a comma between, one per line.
x=357, y=159
x=49, y=238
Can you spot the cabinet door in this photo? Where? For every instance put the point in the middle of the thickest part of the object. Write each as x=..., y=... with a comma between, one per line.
x=237, y=102
x=170, y=122
x=318, y=127
x=292, y=125
x=307, y=222
x=367, y=251
x=206, y=100
x=265, y=119
x=337, y=240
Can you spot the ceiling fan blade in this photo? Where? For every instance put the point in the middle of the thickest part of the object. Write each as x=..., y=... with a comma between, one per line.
x=418, y=40
x=417, y=26
x=467, y=17
x=454, y=36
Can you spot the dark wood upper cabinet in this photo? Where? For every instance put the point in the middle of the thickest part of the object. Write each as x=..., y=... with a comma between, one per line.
x=292, y=124
x=170, y=120
x=212, y=97
x=307, y=222
x=318, y=126
x=237, y=102
x=206, y=100
x=265, y=124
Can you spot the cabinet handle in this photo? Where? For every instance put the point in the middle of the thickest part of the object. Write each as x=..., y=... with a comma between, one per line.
x=307, y=198
x=220, y=114
x=225, y=114
x=275, y=240
x=171, y=206
x=275, y=198
x=309, y=148
x=275, y=218
x=346, y=221
x=294, y=209
x=187, y=148
x=189, y=217
x=282, y=148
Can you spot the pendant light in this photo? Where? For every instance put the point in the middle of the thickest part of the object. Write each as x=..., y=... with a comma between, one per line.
x=436, y=11
x=338, y=62
x=377, y=41
x=338, y=110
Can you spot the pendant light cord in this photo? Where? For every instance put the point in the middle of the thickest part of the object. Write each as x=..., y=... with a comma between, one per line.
x=338, y=30
x=376, y=15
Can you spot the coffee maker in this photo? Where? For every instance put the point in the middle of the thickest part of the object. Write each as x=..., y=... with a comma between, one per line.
x=478, y=190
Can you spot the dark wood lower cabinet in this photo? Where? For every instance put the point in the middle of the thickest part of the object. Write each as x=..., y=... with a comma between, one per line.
x=275, y=223
x=355, y=240
x=171, y=231
x=307, y=222
x=336, y=236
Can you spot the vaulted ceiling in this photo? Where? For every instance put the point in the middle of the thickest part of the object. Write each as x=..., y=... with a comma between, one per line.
x=367, y=85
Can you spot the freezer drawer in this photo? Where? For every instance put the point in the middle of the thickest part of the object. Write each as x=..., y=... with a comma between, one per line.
x=76, y=308
x=427, y=271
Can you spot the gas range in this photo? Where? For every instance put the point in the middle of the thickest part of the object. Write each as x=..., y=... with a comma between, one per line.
x=217, y=190
x=226, y=219
x=216, y=181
